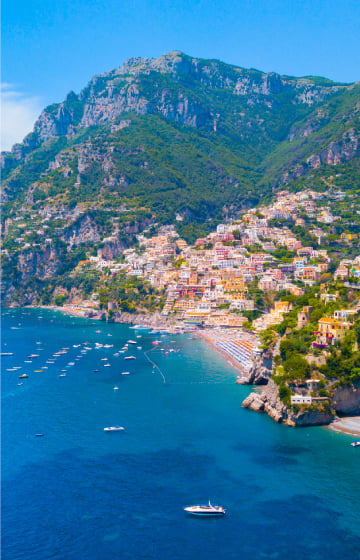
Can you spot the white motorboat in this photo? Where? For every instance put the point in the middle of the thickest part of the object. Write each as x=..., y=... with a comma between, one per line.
x=129, y=358
x=125, y=373
x=206, y=510
x=355, y=443
x=131, y=342
x=114, y=429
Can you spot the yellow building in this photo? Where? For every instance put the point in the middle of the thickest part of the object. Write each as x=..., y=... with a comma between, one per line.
x=333, y=328
x=235, y=286
x=282, y=306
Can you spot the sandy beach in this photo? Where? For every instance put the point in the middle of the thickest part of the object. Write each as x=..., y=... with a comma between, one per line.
x=348, y=425
x=205, y=335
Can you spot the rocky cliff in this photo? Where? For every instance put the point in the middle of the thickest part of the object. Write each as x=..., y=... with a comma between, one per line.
x=268, y=401
x=345, y=401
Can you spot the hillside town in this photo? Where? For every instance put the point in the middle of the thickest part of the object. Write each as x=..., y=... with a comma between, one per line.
x=233, y=284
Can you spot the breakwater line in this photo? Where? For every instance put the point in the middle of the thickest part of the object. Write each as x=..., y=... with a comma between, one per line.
x=155, y=366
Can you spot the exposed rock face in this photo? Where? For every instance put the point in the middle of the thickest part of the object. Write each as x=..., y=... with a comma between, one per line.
x=269, y=401
x=82, y=231
x=260, y=372
x=112, y=248
x=118, y=91
x=346, y=400
x=337, y=152
x=52, y=124
x=40, y=263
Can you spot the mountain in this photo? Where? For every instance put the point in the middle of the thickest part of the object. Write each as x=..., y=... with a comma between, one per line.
x=171, y=140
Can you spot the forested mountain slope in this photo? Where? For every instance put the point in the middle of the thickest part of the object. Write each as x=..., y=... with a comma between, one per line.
x=171, y=140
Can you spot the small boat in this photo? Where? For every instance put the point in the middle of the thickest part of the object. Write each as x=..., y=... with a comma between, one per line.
x=39, y=435
x=32, y=356
x=355, y=443
x=6, y=354
x=139, y=347
x=116, y=388
x=23, y=376
x=107, y=365
x=131, y=342
x=114, y=429
x=125, y=373
x=62, y=375
x=206, y=511
x=129, y=358
x=20, y=384
x=95, y=370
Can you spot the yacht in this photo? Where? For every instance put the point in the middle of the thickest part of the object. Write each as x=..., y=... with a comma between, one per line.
x=131, y=342
x=114, y=429
x=355, y=443
x=129, y=358
x=206, y=510
x=23, y=376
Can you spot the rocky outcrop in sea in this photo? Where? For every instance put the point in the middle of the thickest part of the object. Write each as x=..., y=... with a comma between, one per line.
x=345, y=401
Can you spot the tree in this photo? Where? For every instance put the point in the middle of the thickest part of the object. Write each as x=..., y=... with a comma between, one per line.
x=296, y=367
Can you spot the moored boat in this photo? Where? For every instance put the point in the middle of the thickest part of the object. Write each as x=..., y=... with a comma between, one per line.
x=114, y=429
x=206, y=510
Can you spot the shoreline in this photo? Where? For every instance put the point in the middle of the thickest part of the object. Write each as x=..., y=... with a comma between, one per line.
x=204, y=335
x=150, y=321
x=348, y=425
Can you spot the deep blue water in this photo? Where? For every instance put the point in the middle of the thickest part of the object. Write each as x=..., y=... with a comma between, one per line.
x=81, y=493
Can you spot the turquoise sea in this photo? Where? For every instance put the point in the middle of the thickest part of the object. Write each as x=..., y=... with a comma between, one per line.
x=78, y=492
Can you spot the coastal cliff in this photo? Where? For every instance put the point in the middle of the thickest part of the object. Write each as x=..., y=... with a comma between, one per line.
x=346, y=400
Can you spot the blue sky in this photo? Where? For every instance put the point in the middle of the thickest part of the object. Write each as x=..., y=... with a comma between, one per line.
x=50, y=48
